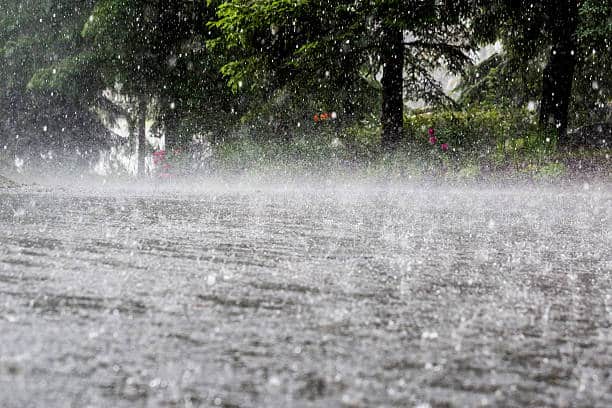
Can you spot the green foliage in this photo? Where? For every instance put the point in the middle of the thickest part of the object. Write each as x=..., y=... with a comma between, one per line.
x=470, y=171
x=330, y=53
x=35, y=35
x=363, y=137
x=306, y=154
x=66, y=77
x=469, y=130
x=592, y=101
x=157, y=49
x=500, y=80
x=525, y=28
x=249, y=71
x=483, y=133
x=551, y=171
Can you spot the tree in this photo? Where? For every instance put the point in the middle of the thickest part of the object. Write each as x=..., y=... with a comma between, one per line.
x=129, y=36
x=153, y=53
x=558, y=75
x=571, y=38
x=287, y=43
x=592, y=96
x=34, y=35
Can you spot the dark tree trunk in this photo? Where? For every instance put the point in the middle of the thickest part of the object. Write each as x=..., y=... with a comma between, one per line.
x=558, y=74
x=170, y=122
x=392, y=117
x=142, y=140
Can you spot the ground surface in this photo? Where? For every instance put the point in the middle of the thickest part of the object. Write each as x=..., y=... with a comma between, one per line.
x=353, y=295
x=6, y=183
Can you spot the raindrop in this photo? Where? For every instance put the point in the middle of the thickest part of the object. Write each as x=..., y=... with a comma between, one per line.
x=427, y=335
x=531, y=106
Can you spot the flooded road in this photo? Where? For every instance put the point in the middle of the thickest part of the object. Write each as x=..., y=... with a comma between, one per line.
x=304, y=296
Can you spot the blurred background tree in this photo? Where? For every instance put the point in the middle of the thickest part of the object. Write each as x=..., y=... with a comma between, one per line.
x=345, y=55
x=35, y=35
x=262, y=69
x=153, y=54
x=555, y=53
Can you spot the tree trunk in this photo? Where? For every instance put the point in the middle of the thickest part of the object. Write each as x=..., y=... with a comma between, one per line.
x=392, y=117
x=558, y=74
x=170, y=120
x=142, y=140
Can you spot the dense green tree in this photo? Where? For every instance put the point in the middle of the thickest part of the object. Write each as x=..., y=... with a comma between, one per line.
x=152, y=54
x=170, y=61
x=564, y=44
x=34, y=35
x=592, y=96
x=145, y=49
x=332, y=47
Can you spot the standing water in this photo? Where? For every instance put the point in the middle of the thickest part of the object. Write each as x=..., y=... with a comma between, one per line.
x=284, y=295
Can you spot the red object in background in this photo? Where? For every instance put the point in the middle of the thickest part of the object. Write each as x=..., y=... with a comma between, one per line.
x=320, y=117
x=433, y=140
x=161, y=165
x=159, y=156
x=431, y=131
x=444, y=147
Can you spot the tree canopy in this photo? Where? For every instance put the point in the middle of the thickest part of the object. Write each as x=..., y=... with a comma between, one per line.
x=338, y=51
x=555, y=52
x=35, y=36
x=213, y=67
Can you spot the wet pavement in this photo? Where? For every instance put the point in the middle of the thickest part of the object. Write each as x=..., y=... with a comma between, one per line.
x=349, y=294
